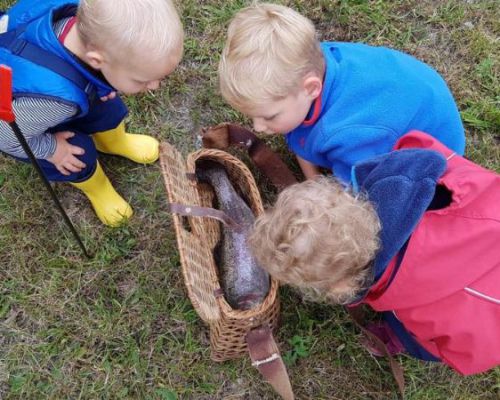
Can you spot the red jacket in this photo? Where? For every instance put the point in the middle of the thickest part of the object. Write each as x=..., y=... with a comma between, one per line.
x=446, y=291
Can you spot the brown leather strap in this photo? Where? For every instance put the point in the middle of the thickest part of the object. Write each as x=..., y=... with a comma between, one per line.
x=357, y=314
x=197, y=211
x=267, y=359
x=225, y=135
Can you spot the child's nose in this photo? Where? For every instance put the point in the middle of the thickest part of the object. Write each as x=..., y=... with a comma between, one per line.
x=258, y=125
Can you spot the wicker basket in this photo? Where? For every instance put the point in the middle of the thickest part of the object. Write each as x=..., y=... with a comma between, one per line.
x=197, y=237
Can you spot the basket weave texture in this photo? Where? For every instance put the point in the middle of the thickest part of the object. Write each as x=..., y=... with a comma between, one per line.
x=196, y=239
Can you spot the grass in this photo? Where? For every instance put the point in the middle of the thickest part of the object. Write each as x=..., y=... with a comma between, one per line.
x=120, y=326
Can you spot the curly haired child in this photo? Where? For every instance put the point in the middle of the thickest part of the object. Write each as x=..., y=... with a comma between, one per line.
x=416, y=238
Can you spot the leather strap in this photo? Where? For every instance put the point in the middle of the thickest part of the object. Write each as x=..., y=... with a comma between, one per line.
x=357, y=314
x=266, y=358
x=197, y=211
x=225, y=135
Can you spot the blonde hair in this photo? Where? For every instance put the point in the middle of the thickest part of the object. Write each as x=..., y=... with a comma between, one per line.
x=318, y=237
x=131, y=28
x=269, y=49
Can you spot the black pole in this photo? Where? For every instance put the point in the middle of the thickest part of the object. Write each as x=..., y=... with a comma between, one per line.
x=34, y=161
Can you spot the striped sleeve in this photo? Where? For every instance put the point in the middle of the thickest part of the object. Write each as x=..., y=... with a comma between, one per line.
x=34, y=117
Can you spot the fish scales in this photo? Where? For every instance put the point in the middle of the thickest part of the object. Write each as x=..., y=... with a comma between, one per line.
x=244, y=282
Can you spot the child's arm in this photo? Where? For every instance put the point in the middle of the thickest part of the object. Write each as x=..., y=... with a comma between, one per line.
x=352, y=144
x=35, y=116
x=309, y=170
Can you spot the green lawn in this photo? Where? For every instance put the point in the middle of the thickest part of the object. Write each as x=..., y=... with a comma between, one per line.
x=120, y=325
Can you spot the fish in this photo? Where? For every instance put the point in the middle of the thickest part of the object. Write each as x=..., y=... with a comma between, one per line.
x=245, y=284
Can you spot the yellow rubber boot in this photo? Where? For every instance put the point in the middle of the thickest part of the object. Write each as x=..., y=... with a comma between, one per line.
x=139, y=148
x=109, y=206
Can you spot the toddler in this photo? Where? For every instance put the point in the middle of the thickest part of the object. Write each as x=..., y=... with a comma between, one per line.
x=69, y=61
x=416, y=238
x=337, y=103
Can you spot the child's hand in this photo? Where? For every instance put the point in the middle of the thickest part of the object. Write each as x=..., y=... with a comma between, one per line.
x=309, y=170
x=110, y=96
x=64, y=157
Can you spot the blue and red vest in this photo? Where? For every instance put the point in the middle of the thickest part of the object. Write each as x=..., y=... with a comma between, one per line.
x=445, y=290
x=31, y=49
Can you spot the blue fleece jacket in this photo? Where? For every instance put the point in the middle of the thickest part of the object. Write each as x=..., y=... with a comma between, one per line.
x=371, y=97
x=401, y=185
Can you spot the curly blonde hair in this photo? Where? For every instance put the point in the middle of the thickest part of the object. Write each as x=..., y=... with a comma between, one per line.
x=319, y=237
x=269, y=50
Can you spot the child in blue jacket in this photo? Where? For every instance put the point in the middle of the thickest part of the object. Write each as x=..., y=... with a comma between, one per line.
x=69, y=59
x=338, y=103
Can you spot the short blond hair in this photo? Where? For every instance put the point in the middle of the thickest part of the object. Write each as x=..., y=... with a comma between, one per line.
x=269, y=51
x=319, y=237
x=131, y=28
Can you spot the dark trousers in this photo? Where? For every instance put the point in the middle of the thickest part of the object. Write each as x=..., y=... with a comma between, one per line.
x=102, y=116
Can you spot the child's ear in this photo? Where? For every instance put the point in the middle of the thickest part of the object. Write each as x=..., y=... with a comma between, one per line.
x=94, y=58
x=313, y=86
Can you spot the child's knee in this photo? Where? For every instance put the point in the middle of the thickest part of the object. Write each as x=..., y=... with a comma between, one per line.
x=89, y=158
x=87, y=144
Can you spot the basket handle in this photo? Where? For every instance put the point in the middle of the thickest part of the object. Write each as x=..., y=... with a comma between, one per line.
x=198, y=211
x=266, y=358
x=270, y=164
